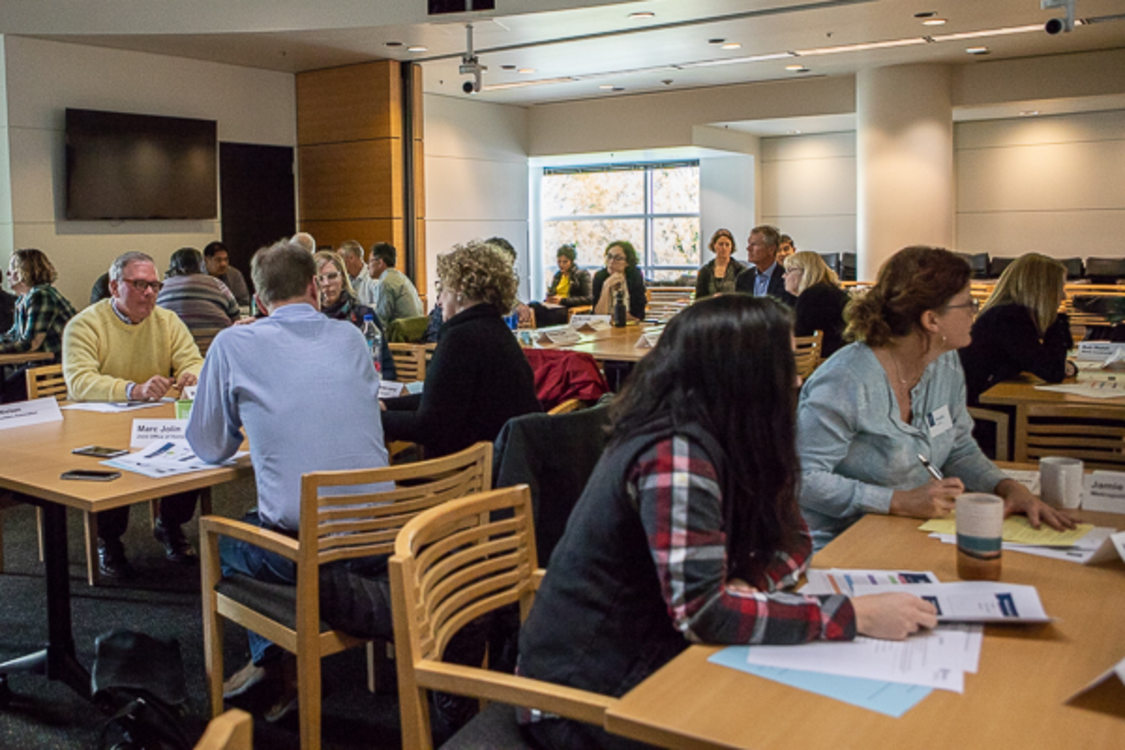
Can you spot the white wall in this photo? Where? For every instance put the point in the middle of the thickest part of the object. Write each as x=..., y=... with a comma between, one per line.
x=476, y=178
x=809, y=189
x=726, y=199
x=44, y=78
x=1055, y=185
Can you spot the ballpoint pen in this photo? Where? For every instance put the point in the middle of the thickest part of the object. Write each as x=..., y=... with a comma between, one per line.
x=930, y=468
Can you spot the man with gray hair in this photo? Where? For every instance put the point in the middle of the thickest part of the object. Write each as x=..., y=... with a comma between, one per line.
x=305, y=240
x=763, y=277
x=270, y=379
x=125, y=348
x=362, y=284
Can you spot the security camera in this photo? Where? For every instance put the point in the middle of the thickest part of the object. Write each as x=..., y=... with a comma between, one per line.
x=1059, y=25
x=470, y=65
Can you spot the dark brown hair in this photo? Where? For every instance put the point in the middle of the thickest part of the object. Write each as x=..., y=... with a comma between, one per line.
x=913, y=280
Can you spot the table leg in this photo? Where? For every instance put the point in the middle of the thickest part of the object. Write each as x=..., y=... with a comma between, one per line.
x=58, y=660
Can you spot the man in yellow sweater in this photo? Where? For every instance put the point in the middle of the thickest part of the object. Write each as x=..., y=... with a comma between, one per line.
x=127, y=348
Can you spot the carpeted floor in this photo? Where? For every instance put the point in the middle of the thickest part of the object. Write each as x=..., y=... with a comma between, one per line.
x=162, y=601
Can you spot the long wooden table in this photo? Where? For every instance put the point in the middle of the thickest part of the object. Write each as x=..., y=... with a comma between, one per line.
x=1016, y=700
x=33, y=458
x=612, y=344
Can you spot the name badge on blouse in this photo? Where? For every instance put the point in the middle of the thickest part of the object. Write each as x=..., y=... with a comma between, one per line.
x=939, y=421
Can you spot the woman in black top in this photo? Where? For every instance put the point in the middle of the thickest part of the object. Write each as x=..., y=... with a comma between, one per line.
x=820, y=300
x=718, y=275
x=620, y=274
x=577, y=287
x=479, y=377
x=338, y=300
x=1020, y=328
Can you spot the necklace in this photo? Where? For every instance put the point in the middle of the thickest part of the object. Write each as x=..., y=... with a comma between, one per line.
x=898, y=372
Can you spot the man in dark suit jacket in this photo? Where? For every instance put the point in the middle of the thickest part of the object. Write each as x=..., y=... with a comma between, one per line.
x=763, y=277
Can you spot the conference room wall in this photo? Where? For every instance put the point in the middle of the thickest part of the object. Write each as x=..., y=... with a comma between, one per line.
x=1052, y=184
x=476, y=178
x=809, y=189
x=46, y=77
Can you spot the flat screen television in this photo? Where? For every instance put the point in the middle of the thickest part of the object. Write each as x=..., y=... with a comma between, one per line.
x=129, y=166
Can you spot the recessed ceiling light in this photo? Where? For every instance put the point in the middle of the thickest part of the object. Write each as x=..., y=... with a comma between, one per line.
x=393, y=44
x=977, y=50
x=731, y=45
x=716, y=40
x=641, y=15
x=794, y=132
x=1029, y=113
x=526, y=71
x=606, y=87
x=416, y=48
x=797, y=68
x=934, y=22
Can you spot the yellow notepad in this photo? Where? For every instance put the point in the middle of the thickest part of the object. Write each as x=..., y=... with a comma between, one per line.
x=1017, y=529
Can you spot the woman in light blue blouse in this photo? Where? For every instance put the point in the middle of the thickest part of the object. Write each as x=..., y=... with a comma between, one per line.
x=872, y=409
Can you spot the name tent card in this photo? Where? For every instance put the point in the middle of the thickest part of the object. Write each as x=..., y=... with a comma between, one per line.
x=147, y=430
x=23, y=413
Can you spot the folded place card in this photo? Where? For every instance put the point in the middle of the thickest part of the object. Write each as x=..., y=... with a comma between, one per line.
x=147, y=430
x=590, y=322
x=565, y=336
x=1104, y=490
x=36, y=411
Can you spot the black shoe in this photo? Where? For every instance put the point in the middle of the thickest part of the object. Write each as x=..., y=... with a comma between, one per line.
x=176, y=546
x=111, y=560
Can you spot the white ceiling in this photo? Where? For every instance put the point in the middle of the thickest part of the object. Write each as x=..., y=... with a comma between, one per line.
x=594, y=41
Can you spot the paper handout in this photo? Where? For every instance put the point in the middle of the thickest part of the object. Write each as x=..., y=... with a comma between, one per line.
x=163, y=458
x=1019, y=530
x=975, y=601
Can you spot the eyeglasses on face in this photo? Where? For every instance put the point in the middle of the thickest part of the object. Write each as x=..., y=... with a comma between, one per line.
x=324, y=278
x=973, y=304
x=141, y=285
x=615, y=257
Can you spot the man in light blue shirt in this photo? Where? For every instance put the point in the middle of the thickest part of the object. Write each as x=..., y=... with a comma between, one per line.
x=763, y=277
x=304, y=388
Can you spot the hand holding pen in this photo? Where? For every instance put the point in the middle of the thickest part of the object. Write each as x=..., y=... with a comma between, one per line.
x=931, y=500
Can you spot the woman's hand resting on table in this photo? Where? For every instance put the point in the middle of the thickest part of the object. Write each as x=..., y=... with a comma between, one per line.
x=1018, y=499
x=931, y=500
x=892, y=616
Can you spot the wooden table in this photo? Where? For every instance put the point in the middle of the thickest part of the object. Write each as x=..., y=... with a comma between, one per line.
x=33, y=458
x=19, y=358
x=612, y=344
x=1016, y=700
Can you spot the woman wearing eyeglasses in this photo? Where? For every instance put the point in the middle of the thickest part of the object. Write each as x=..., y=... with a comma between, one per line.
x=868, y=413
x=620, y=275
x=338, y=300
x=40, y=315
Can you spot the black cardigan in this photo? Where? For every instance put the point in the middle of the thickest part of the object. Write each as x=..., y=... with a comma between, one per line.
x=1006, y=343
x=821, y=308
x=707, y=274
x=634, y=282
x=477, y=381
x=579, y=287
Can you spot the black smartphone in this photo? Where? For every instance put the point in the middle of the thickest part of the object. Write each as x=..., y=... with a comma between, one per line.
x=99, y=451
x=90, y=475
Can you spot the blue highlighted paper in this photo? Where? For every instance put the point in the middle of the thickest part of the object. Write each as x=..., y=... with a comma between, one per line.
x=889, y=698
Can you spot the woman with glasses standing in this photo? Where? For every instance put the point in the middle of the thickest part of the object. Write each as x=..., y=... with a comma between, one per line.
x=41, y=313
x=867, y=414
x=620, y=275
x=338, y=300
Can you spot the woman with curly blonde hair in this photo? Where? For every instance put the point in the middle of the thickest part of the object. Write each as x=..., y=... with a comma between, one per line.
x=479, y=377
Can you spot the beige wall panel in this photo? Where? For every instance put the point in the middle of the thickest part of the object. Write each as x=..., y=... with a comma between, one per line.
x=1060, y=234
x=812, y=146
x=822, y=234
x=1032, y=131
x=1035, y=78
x=350, y=103
x=809, y=187
x=470, y=190
x=365, y=231
x=466, y=129
x=359, y=180
x=419, y=182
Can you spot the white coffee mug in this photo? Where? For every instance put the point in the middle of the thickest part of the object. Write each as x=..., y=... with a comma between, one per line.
x=1060, y=481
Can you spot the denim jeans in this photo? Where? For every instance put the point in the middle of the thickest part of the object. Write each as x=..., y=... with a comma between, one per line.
x=236, y=556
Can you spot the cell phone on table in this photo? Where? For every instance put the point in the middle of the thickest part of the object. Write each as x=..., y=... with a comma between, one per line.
x=99, y=451
x=90, y=475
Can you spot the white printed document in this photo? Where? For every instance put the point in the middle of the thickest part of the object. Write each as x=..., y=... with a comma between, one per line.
x=841, y=580
x=975, y=601
x=163, y=458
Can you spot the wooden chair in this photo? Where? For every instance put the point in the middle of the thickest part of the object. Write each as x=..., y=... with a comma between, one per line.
x=203, y=338
x=231, y=730
x=48, y=381
x=410, y=361
x=807, y=353
x=1001, y=421
x=566, y=407
x=453, y=564
x=1091, y=433
x=332, y=528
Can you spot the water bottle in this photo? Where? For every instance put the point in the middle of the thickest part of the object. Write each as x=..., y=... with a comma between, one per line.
x=374, y=343
x=620, y=314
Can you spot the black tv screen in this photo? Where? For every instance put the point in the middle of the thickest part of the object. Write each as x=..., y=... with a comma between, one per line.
x=127, y=166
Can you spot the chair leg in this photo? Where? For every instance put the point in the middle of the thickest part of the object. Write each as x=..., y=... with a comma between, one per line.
x=413, y=708
x=308, y=697
x=212, y=622
x=370, y=651
x=154, y=512
x=92, y=575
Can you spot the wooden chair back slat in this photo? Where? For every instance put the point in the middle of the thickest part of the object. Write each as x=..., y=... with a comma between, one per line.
x=46, y=380
x=410, y=361
x=807, y=353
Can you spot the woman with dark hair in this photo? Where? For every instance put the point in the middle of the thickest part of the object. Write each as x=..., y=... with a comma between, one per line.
x=869, y=412
x=39, y=317
x=338, y=300
x=718, y=274
x=479, y=377
x=569, y=288
x=620, y=275
x=201, y=300
x=688, y=529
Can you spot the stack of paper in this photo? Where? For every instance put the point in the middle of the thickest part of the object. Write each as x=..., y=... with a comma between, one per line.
x=1085, y=544
x=163, y=458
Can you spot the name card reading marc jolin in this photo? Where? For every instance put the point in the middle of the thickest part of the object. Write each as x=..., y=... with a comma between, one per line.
x=147, y=430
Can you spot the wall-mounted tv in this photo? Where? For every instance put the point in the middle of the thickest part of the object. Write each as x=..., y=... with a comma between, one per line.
x=128, y=166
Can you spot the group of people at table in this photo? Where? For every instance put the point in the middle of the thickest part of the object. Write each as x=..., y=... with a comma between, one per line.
x=721, y=477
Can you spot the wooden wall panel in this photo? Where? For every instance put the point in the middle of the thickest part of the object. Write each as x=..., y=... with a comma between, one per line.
x=351, y=103
x=365, y=231
x=358, y=180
